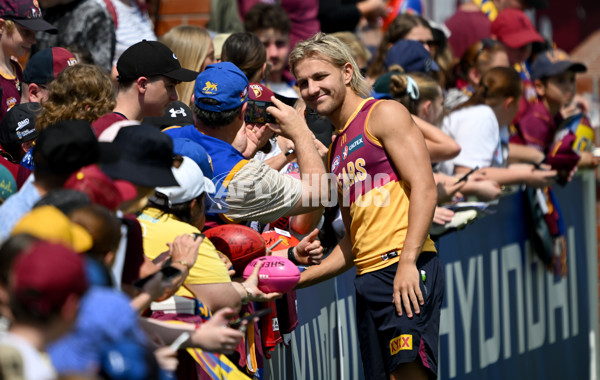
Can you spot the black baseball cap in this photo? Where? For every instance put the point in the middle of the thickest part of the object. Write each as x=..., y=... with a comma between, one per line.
x=146, y=157
x=151, y=58
x=18, y=126
x=69, y=145
x=176, y=114
x=26, y=13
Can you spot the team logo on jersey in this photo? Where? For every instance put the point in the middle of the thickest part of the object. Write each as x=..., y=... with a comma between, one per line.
x=401, y=343
x=335, y=163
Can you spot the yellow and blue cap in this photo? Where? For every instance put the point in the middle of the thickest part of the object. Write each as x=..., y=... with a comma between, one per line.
x=221, y=87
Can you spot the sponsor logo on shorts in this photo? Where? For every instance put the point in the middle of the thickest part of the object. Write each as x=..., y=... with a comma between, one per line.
x=403, y=342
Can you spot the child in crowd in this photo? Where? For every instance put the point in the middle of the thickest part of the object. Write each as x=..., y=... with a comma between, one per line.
x=553, y=75
x=477, y=59
x=480, y=126
x=19, y=20
x=270, y=23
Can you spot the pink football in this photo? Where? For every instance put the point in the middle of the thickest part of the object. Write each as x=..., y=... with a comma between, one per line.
x=277, y=274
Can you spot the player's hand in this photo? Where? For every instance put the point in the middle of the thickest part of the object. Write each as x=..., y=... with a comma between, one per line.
x=407, y=290
x=309, y=251
x=291, y=123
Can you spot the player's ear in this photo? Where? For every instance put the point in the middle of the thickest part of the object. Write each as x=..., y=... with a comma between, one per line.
x=347, y=71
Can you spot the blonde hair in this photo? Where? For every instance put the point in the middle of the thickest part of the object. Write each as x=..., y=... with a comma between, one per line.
x=9, y=25
x=191, y=45
x=79, y=92
x=427, y=88
x=336, y=52
x=356, y=47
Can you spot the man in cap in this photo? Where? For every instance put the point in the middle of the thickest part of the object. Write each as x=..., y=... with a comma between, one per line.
x=60, y=150
x=177, y=113
x=19, y=19
x=46, y=284
x=147, y=73
x=472, y=20
x=252, y=190
x=42, y=68
x=17, y=130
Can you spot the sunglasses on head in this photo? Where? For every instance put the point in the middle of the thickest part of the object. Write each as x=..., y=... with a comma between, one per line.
x=430, y=43
x=486, y=44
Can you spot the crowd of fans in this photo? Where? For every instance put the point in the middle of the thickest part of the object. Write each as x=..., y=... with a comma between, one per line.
x=120, y=148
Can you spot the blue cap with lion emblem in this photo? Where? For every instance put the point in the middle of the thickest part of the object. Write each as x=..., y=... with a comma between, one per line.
x=221, y=87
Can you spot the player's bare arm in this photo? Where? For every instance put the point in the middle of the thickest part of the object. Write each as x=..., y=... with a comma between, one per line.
x=339, y=260
x=293, y=126
x=393, y=126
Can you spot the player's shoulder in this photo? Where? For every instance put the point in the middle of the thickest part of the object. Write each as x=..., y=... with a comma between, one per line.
x=389, y=111
x=387, y=108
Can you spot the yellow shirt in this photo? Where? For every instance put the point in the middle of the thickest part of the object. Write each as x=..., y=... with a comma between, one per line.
x=158, y=230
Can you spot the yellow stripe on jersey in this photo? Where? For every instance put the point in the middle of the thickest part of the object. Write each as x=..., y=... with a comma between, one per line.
x=379, y=226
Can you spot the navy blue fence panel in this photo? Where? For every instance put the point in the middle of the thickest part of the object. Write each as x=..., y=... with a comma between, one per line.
x=504, y=316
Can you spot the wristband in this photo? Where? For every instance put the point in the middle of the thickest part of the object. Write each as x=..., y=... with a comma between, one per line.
x=292, y=257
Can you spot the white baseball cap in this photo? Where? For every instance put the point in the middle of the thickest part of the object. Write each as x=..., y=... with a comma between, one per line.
x=192, y=183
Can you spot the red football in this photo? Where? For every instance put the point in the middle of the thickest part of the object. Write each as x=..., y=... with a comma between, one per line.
x=240, y=243
x=271, y=237
x=277, y=274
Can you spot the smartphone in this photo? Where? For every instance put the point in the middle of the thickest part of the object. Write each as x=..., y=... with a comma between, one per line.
x=168, y=272
x=236, y=323
x=596, y=152
x=256, y=112
x=464, y=177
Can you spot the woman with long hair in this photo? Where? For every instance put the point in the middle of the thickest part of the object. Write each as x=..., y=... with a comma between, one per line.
x=480, y=126
x=194, y=50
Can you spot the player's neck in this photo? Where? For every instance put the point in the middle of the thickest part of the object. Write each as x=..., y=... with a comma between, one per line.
x=340, y=117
